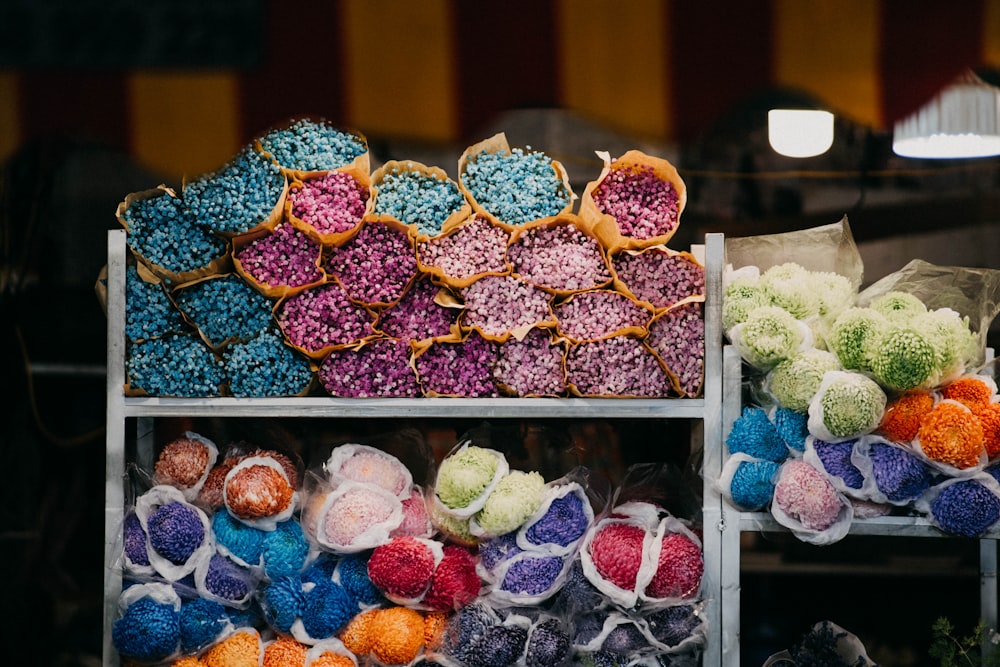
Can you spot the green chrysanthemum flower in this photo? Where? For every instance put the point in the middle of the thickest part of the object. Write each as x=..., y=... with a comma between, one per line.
x=847, y=405
x=904, y=360
x=769, y=335
x=455, y=528
x=516, y=497
x=465, y=475
x=898, y=307
x=955, y=345
x=794, y=381
x=835, y=292
x=854, y=335
x=790, y=288
x=742, y=297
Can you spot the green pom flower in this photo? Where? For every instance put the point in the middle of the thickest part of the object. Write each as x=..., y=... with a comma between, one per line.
x=847, y=405
x=854, y=335
x=769, y=335
x=955, y=345
x=455, y=528
x=904, y=360
x=465, y=475
x=516, y=497
x=835, y=292
x=789, y=286
x=742, y=297
x=794, y=381
x=898, y=307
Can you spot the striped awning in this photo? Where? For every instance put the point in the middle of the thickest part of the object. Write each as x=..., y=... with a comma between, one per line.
x=438, y=71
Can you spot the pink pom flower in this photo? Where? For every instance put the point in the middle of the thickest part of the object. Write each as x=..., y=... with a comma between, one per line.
x=376, y=265
x=497, y=305
x=370, y=466
x=402, y=568
x=643, y=204
x=679, y=568
x=599, y=314
x=455, y=583
x=616, y=551
x=618, y=366
x=804, y=493
x=532, y=366
x=354, y=513
x=321, y=317
x=678, y=338
x=416, y=519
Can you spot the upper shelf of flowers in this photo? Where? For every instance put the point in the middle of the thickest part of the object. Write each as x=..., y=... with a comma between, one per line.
x=296, y=270
x=860, y=404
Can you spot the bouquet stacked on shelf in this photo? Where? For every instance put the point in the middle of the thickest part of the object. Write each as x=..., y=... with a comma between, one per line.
x=861, y=403
x=376, y=555
x=294, y=269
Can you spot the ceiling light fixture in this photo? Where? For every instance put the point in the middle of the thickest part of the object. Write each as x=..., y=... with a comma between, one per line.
x=962, y=121
x=800, y=132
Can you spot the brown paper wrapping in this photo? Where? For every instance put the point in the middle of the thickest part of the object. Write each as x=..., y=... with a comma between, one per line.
x=454, y=227
x=590, y=212
x=437, y=173
x=496, y=144
x=270, y=291
x=333, y=238
x=217, y=266
x=558, y=220
x=362, y=162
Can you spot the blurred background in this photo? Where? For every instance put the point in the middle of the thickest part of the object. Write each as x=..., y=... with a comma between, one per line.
x=100, y=99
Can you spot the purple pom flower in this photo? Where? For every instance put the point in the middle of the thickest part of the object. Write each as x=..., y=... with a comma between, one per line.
x=564, y=522
x=548, y=644
x=135, y=540
x=674, y=624
x=532, y=576
x=175, y=531
x=495, y=551
x=227, y=580
x=532, y=366
x=559, y=256
x=321, y=317
x=285, y=257
x=619, y=366
x=500, y=646
x=416, y=316
x=836, y=459
x=678, y=338
x=899, y=474
x=660, y=277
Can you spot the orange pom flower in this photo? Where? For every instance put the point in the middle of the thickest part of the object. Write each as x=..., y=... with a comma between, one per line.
x=257, y=491
x=989, y=418
x=285, y=652
x=951, y=434
x=359, y=635
x=434, y=627
x=188, y=661
x=969, y=390
x=399, y=635
x=902, y=416
x=240, y=649
x=331, y=659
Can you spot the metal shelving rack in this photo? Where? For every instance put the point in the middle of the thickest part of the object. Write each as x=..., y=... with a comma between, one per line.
x=734, y=522
x=707, y=412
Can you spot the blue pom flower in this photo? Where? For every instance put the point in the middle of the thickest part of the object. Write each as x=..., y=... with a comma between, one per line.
x=466, y=628
x=793, y=427
x=308, y=145
x=754, y=434
x=419, y=199
x=836, y=459
x=201, y=621
x=282, y=602
x=624, y=640
x=674, y=624
x=284, y=549
x=589, y=626
x=148, y=631
x=577, y=592
x=353, y=573
x=164, y=233
x=499, y=646
x=564, y=522
x=328, y=608
x=175, y=531
x=966, y=508
x=548, y=644
x=899, y=474
x=752, y=485
x=515, y=186
x=243, y=541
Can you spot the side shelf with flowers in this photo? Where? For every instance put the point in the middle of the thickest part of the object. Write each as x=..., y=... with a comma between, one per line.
x=139, y=411
x=847, y=411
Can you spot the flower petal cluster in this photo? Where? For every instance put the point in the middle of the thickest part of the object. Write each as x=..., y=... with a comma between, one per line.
x=794, y=381
x=515, y=186
x=967, y=508
x=418, y=199
x=854, y=337
x=847, y=404
x=742, y=296
x=791, y=288
x=238, y=197
x=224, y=308
x=806, y=495
x=643, y=204
x=951, y=434
x=752, y=484
x=899, y=474
x=659, y=276
x=515, y=498
x=331, y=204
x=149, y=313
x=903, y=360
x=312, y=145
x=464, y=476
x=754, y=434
x=677, y=337
x=903, y=414
x=770, y=335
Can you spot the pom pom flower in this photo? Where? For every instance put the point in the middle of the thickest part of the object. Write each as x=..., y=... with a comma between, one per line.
x=184, y=463
x=455, y=582
x=516, y=185
x=805, y=496
x=369, y=465
x=616, y=553
x=466, y=477
x=561, y=521
x=356, y=516
x=951, y=434
x=679, y=568
x=752, y=484
x=312, y=145
x=770, y=335
x=742, y=297
x=258, y=491
x=903, y=415
x=790, y=288
x=794, y=381
x=178, y=533
x=854, y=337
x=900, y=475
x=148, y=626
x=898, y=307
x=967, y=507
x=755, y=435
x=515, y=498
x=402, y=568
x=846, y=405
x=903, y=359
